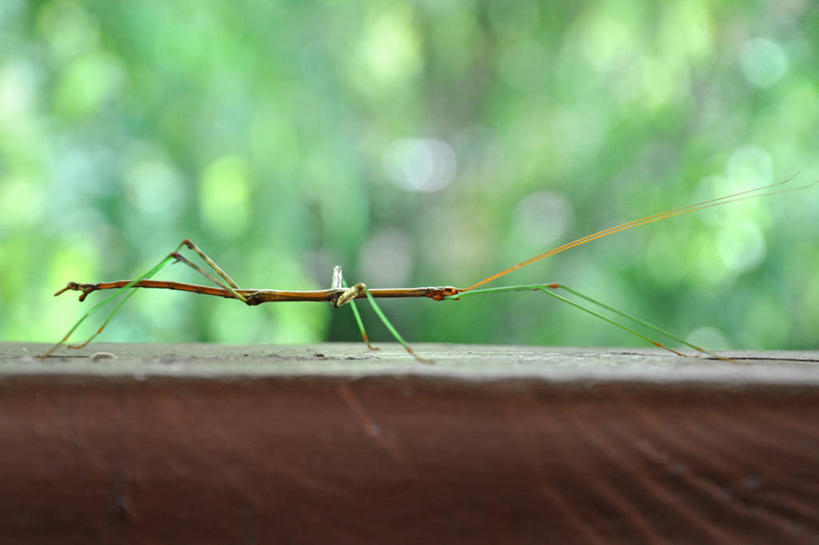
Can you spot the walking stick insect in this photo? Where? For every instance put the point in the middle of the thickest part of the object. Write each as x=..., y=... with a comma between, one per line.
x=340, y=294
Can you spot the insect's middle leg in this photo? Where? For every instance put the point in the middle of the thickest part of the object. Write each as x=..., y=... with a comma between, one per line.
x=349, y=296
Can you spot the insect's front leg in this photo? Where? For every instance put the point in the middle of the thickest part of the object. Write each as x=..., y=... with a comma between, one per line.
x=550, y=289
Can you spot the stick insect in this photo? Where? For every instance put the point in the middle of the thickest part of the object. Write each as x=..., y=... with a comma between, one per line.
x=339, y=294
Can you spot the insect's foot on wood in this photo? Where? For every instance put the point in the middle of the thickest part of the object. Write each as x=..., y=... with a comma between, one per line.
x=419, y=358
x=366, y=340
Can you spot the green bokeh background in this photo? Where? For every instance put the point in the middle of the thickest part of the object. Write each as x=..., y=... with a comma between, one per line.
x=414, y=143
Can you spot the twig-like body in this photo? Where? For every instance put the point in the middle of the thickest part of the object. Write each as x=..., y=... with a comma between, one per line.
x=257, y=297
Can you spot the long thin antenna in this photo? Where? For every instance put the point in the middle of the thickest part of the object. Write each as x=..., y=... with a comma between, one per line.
x=719, y=201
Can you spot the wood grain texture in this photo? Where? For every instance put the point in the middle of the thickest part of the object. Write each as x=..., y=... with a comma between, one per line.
x=204, y=444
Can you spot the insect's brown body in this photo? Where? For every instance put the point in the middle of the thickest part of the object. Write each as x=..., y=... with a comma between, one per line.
x=258, y=296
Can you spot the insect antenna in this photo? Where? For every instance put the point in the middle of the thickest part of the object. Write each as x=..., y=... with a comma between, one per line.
x=719, y=201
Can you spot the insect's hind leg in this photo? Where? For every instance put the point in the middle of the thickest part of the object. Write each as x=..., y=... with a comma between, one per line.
x=159, y=266
x=230, y=286
x=173, y=256
x=211, y=263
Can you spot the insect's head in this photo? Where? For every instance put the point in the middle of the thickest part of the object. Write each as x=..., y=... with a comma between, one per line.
x=445, y=291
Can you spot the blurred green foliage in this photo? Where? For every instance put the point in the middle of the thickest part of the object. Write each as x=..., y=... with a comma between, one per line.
x=414, y=143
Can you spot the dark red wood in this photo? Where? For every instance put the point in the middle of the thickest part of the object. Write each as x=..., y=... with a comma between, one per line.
x=402, y=459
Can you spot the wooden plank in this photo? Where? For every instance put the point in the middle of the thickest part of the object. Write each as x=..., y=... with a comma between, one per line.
x=332, y=444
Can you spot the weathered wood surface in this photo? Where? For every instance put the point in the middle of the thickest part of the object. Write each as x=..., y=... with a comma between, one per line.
x=332, y=444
